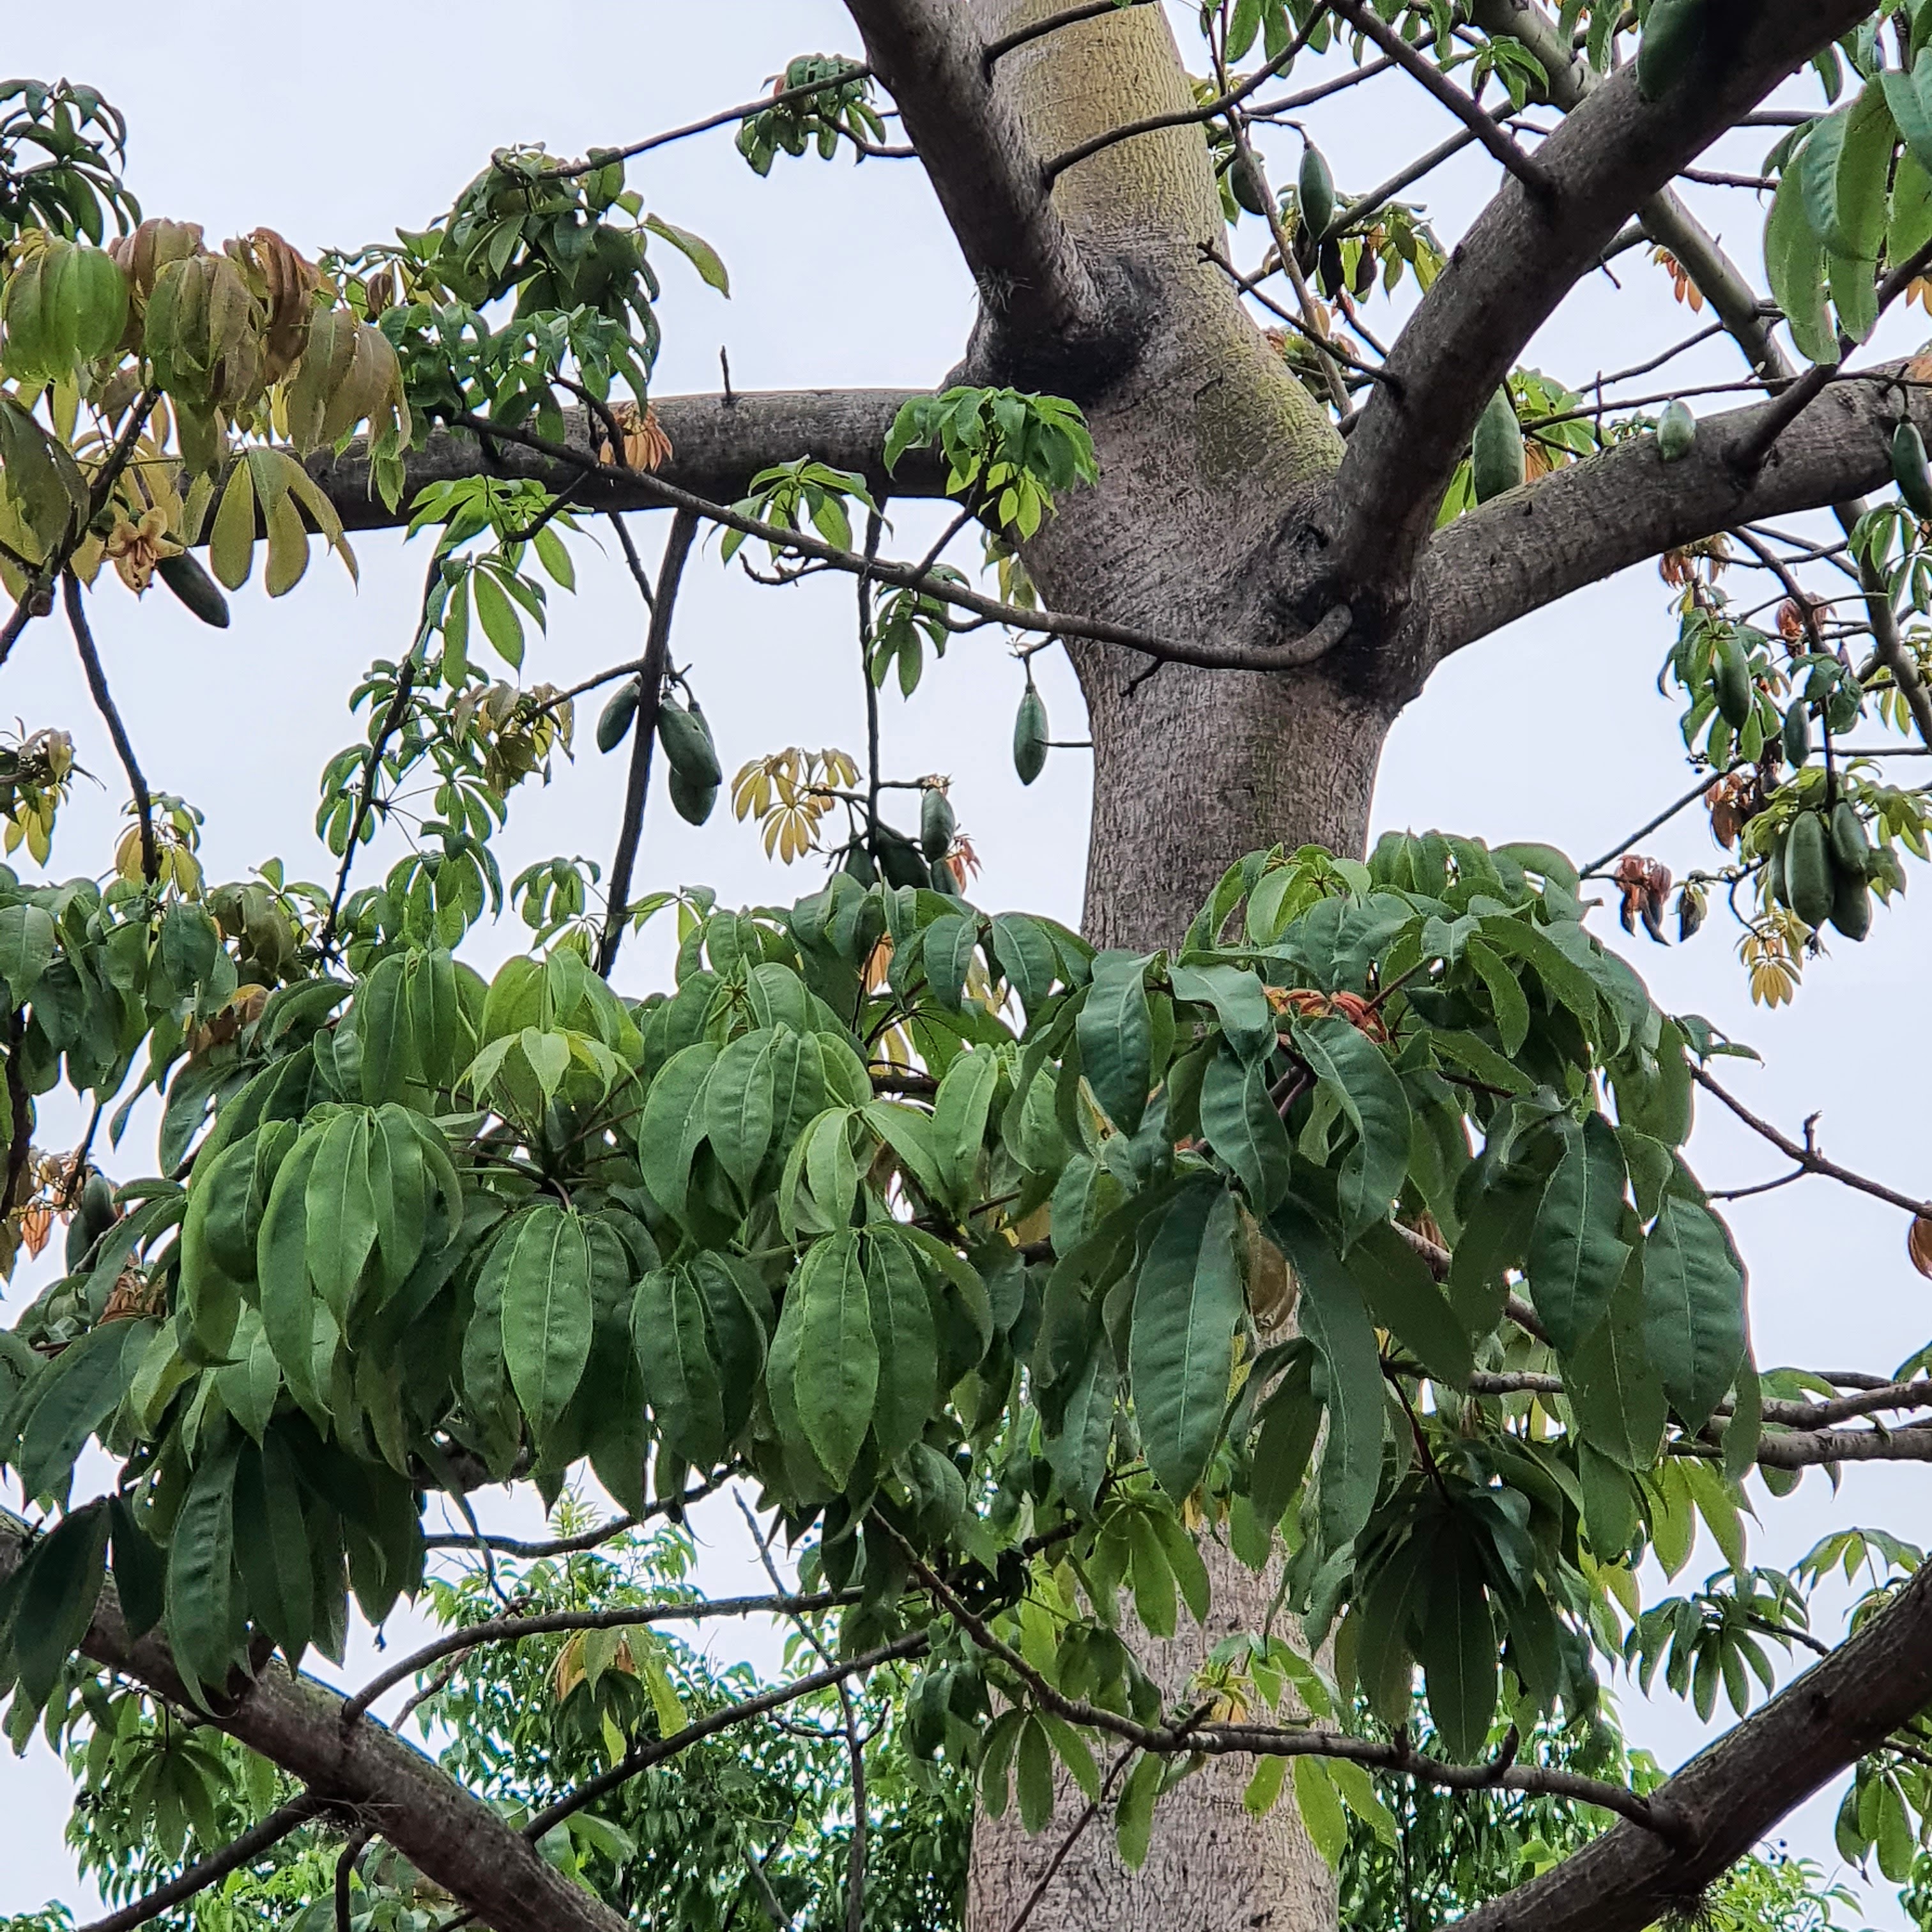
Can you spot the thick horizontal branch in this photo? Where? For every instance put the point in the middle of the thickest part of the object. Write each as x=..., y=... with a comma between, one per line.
x=1524, y=255
x=1589, y=520
x=719, y=444
x=450, y=1836
x=1728, y=1797
x=1294, y=652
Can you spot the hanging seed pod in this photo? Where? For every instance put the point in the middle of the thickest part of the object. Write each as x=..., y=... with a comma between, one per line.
x=1909, y=471
x=937, y=824
x=1495, y=451
x=1029, y=737
x=184, y=576
x=1797, y=734
x=613, y=723
x=1316, y=186
x=1676, y=432
x=686, y=739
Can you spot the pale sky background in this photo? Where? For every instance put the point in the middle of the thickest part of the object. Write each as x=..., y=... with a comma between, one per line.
x=336, y=125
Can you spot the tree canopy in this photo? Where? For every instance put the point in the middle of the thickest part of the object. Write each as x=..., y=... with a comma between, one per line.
x=1278, y=1327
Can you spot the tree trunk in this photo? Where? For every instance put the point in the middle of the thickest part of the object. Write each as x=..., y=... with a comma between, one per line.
x=1203, y=437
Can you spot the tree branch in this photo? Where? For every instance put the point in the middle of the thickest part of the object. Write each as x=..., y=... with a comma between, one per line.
x=1730, y=1795
x=1445, y=93
x=450, y=1836
x=104, y=703
x=513, y=1629
x=651, y=668
x=718, y=444
x=1589, y=520
x=983, y=168
x=213, y=1869
x=1610, y=155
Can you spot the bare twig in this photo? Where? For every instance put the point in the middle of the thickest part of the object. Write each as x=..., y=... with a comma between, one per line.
x=1074, y=1834
x=1804, y=1153
x=104, y=703
x=1092, y=10
x=650, y=697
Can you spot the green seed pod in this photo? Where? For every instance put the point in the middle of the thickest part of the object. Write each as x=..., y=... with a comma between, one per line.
x=686, y=739
x=1029, y=737
x=613, y=724
x=1316, y=186
x=694, y=801
x=899, y=860
x=1244, y=184
x=1852, y=905
x=1851, y=849
x=1672, y=36
x=1808, y=869
x=1797, y=733
x=1495, y=450
x=1909, y=470
x=184, y=576
x=1843, y=706
x=93, y=1215
x=937, y=824
x=1731, y=680
x=1676, y=432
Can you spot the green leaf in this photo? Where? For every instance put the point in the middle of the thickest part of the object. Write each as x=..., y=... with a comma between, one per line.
x=1115, y=1031
x=696, y=249
x=1240, y=1003
x=1612, y=1385
x=1575, y=1257
x=1403, y=1297
x=498, y=615
x=339, y=1211
x=26, y=950
x=1240, y=1123
x=1794, y=263
x=140, y=1570
x=1349, y=1378
x=1842, y=168
x=671, y=1334
x=1355, y=1068
x=281, y=1268
x=1032, y=1775
x=1258, y=1800
x=1187, y=1304
x=837, y=1374
x=75, y=1396
x=546, y=1317
x=900, y=1312
x=1456, y=1646
x=271, y=1545
x=1320, y=1811
x=201, y=1619
x=59, y=1585
x=1909, y=98
x=959, y=1111
x=1152, y=1576
x=1133, y=1816
x=1026, y=956
x=1358, y=1792
x=1506, y=995
x=665, y=1139
x=738, y=1105
x=1693, y=1309
x=1290, y=1419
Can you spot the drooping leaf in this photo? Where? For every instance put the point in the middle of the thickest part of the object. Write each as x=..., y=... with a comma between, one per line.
x=1187, y=1302
x=1240, y=1123
x=1577, y=1256
x=1115, y=1030
x=837, y=1375
x=547, y=1315
x=1358, y=1072
x=1693, y=1309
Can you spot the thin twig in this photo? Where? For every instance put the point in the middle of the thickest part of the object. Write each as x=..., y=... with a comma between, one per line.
x=640, y=1760
x=372, y=766
x=996, y=51
x=514, y=1628
x=780, y=97
x=1074, y=1832
x=1477, y=118
x=650, y=699
x=104, y=703
x=1806, y=1155
x=345, y=1872
x=243, y=1850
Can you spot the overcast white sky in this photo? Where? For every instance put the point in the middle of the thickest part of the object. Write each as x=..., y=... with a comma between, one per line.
x=335, y=125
